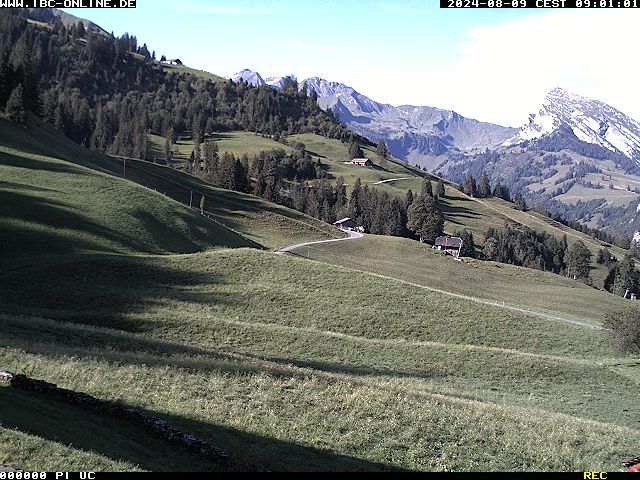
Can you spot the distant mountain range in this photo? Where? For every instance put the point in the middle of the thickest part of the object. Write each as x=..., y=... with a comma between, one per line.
x=576, y=155
x=410, y=131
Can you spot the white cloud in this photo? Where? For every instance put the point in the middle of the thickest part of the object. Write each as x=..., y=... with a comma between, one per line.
x=501, y=72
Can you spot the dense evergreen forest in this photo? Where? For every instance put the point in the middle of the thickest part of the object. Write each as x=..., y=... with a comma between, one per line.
x=108, y=93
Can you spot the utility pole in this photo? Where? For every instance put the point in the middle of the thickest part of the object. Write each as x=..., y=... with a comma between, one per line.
x=191, y=199
x=124, y=168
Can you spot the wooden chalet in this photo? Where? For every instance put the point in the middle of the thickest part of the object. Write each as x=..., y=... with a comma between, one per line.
x=361, y=162
x=348, y=224
x=450, y=245
x=173, y=61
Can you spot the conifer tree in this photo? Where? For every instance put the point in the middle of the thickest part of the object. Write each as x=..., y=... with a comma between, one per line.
x=408, y=199
x=240, y=178
x=355, y=151
x=28, y=80
x=356, y=211
x=626, y=277
x=427, y=188
x=468, y=245
x=578, y=260
x=469, y=187
x=440, y=191
x=425, y=219
x=381, y=149
x=484, y=189
x=15, y=109
x=4, y=84
x=498, y=191
x=519, y=202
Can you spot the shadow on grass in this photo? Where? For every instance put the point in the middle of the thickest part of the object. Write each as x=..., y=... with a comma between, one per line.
x=57, y=339
x=29, y=163
x=117, y=439
x=83, y=429
x=39, y=224
x=315, y=154
x=452, y=213
x=179, y=186
x=103, y=291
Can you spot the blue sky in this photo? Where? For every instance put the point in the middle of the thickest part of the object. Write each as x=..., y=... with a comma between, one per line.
x=494, y=65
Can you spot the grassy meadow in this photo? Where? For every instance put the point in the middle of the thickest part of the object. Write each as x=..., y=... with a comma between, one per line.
x=418, y=263
x=115, y=287
x=460, y=210
x=59, y=197
x=49, y=204
x=291, y=364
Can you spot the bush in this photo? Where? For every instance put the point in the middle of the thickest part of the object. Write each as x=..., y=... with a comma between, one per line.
x=624, y=328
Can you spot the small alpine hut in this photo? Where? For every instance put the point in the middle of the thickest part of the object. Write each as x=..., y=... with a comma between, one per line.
x=348, y=224
x=361, y=162
x=450, y=245
x=173, y=61
x=632, y=464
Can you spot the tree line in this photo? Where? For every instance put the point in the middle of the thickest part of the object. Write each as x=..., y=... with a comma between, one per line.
x=108, y=93
x=538, y=250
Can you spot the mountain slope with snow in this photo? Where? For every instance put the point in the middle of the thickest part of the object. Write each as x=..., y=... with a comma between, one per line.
x=592, y=121
x=249, y=76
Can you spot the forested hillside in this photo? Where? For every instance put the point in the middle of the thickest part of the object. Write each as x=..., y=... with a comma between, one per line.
x=109, y=93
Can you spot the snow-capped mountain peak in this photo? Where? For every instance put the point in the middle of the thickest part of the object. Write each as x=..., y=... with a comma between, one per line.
x=249, y=76
x=590, y=120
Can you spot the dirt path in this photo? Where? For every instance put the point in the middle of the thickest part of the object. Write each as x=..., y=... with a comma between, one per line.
x=392, y=180
x=352, y=236
x=492, y=303
x=526, y=311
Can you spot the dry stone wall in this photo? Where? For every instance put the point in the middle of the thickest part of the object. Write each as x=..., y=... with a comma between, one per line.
x=153, y=424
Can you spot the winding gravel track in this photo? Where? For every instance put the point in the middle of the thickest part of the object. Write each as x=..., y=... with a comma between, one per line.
x=290, y=248
x=356, y=235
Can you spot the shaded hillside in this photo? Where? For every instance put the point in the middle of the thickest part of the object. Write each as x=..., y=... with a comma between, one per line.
x=274, y=358
x=48, y=179
x=53, y=205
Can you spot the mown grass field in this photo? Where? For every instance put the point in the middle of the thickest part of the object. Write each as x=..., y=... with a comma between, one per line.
x=460, y=210
x=193, y=71
x=292, y=364
x=238, y=143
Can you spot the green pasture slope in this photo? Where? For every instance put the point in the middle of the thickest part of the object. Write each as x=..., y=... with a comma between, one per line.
x=53, y=205
x=77, y=201
x=460, y=210
x=286, y=363
x=518, y=287
x=292, y=364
